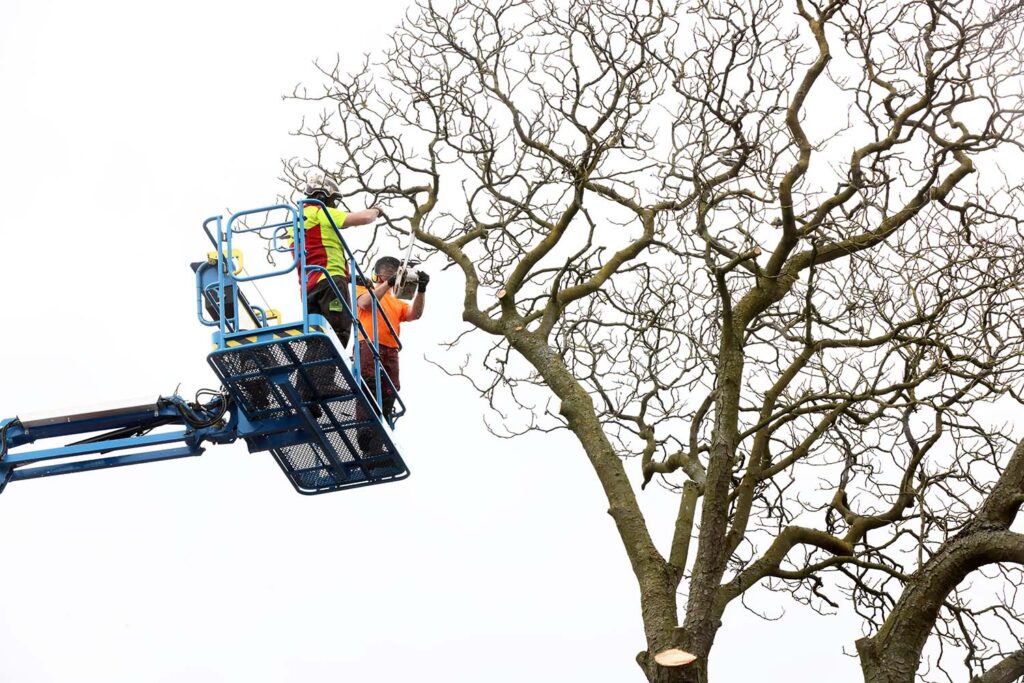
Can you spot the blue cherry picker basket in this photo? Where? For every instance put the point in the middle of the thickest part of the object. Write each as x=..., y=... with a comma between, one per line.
x=290, y=388
x=300, y=398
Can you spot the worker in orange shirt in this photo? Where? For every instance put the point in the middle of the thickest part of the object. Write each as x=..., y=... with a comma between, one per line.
x=396, y=312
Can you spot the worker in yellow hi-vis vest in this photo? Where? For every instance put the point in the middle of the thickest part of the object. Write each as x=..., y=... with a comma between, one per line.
x=323, y=248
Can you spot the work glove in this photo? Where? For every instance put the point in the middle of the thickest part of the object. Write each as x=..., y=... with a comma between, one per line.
x=423, y=279
x=392, y=280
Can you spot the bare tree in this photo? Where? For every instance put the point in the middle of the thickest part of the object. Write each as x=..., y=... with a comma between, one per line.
x=764, y=250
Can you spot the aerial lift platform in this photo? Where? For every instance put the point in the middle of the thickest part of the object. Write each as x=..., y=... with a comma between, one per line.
x=286, y=388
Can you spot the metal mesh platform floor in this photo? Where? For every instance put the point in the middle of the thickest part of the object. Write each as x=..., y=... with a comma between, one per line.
x=308, y=411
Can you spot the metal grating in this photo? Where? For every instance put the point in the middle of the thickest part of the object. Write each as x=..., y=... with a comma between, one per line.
x=340, y=443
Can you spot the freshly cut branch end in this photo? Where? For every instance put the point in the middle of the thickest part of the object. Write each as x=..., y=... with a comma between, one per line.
x=674, y=657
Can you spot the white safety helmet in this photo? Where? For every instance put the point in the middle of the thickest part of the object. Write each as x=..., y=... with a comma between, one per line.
x=317, y=182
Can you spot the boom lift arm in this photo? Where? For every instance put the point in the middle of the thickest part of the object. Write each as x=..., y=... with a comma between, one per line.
x=125, y=431
x=285, y=387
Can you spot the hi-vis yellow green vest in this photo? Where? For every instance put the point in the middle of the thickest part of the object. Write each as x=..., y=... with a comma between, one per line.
x=323, y=248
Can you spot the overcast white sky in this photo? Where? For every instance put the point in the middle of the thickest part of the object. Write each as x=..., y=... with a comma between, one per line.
x=123, y=126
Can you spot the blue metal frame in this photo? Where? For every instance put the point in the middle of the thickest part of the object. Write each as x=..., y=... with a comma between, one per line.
x=311, y=430
x=91, y=454
x=224, y=244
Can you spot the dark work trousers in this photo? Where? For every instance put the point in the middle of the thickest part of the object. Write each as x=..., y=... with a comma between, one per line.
x=389, y=363
x=323, y=301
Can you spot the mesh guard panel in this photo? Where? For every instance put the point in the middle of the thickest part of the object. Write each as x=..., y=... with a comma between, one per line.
x=302, y=380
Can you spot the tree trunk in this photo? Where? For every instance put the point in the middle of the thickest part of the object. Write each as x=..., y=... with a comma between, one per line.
x=703, y=608
x=894, y=653
x=657, y=580
x=693, y=673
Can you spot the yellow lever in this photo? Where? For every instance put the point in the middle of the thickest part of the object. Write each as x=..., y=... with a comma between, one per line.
x=236, y=254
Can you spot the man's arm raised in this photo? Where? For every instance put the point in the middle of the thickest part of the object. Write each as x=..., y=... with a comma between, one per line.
x=364, y=301
x=364, y=217
x=417, y=304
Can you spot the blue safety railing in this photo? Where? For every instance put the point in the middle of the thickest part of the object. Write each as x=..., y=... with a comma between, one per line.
x=229, y=297
x=285, y=388
x=208, y=290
